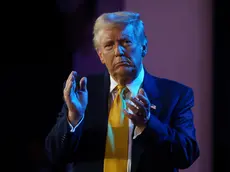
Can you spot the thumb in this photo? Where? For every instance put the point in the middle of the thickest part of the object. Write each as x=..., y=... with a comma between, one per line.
x=142, y=92
x=83, y=84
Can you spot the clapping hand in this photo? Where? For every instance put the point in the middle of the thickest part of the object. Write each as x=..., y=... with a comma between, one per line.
x=76, y=98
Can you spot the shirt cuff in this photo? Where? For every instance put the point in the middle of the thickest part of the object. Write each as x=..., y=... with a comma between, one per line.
x=73, y=128
x=139, y=130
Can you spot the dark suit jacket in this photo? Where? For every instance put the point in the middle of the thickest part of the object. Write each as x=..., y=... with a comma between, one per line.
x=167, y=144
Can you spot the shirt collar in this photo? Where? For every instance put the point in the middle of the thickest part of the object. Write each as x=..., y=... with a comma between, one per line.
x=133, y=86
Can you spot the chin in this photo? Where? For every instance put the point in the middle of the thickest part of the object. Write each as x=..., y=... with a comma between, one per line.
x=126, y=72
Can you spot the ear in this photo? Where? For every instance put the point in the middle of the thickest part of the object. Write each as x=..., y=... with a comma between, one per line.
x=144, y=49
x=100, y=55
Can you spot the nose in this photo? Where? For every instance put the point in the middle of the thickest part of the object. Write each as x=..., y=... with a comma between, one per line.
x=119, y=50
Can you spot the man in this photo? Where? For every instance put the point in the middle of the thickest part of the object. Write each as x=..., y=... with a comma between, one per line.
x=125, y=120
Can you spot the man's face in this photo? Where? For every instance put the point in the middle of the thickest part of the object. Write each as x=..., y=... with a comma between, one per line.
x=121, y=51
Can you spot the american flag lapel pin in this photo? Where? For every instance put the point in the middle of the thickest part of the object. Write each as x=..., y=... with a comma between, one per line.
x=153, y=107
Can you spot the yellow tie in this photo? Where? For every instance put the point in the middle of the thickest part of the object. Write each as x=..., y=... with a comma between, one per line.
x=116, y=154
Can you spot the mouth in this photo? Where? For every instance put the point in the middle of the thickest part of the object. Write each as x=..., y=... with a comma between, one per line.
x=122, y=64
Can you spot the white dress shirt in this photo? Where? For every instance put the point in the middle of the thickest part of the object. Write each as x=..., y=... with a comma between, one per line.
x=133, y=88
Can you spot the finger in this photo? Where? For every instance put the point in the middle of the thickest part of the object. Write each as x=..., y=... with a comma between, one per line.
x=132, y=117
x=72, y=76
x=69, y=77
x=139, y=104
x=68, y=88
x=142, y=92
x=143, y=99
x=74, y=85
x=83, y=84
x=129, y=115
x=132, y=107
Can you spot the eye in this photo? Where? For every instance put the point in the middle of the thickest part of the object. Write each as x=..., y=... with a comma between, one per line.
x=108, y=45
x=127, y=42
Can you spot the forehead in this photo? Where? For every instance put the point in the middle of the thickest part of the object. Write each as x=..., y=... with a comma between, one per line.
x=117, y=32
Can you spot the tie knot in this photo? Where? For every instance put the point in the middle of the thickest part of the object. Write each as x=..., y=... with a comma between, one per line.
x=120, y=88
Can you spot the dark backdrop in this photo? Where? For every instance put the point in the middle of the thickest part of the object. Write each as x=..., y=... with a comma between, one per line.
x=221, y=73
x=37, y=50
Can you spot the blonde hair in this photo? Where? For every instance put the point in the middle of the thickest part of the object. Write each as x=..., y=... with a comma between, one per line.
x=120, y=18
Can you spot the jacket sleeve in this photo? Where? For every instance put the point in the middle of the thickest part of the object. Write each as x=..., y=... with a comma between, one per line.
x=62, y=141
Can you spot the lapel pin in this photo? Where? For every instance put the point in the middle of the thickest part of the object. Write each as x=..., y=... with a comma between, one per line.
x=153, y=107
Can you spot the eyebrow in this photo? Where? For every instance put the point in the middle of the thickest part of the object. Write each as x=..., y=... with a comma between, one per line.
x=107, y=41
x=125, y=36
x=122, y=38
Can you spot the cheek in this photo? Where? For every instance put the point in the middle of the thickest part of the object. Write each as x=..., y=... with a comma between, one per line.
x=108, y=58
x=135, y=53
x=108, y=53
x=136, y=58
x=135, y=49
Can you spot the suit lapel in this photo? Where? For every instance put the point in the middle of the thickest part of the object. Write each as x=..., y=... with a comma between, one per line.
x=104, y=109
x=99, y=113
x=106, y=91
x=104, y=99
x=152, y=91
x=150, y=87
